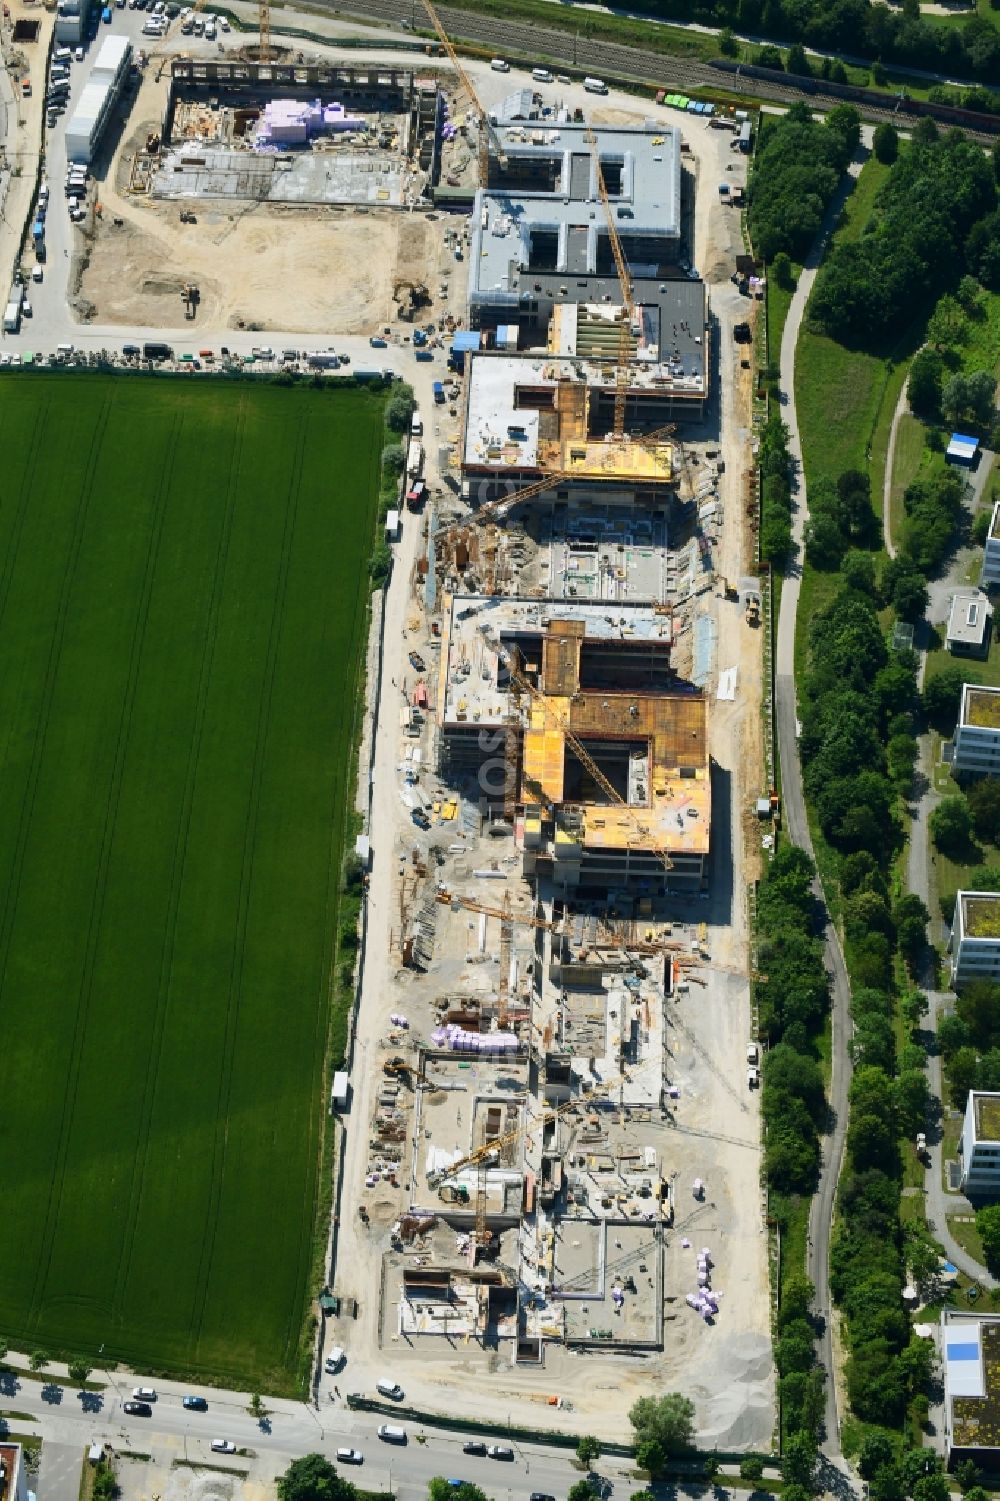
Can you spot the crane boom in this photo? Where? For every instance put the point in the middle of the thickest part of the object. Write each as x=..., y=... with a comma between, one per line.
x=625, y=282
x=580, y=750
x=487, y=135
x=510, y=1138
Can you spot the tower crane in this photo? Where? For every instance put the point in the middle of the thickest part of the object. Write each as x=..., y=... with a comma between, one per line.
x=486, y=134
x=496, y=510
x=480, y=1157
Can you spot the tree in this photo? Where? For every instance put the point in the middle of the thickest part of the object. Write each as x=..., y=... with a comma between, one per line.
x=581, y=1490
x=799, y=1461
x=588, y=1449
x=781, y=270
x=313, y=1478
x=798, y=62
x=256, y=1407
x=969, y=398
x=982, y=251
x=752, y=1468
x=876, y=1452
x=968, y=1475
x=942, y=697
x=988, y=1225
x=949, y=325
x=825, y=542
x=885, y=144
x=667, y=1422
x=911, y=917
x=962, y=1073
x=858, y=571
x=984, y=805
x=37, y=1359
x=393, y=458
x=440, y=1489
x=951, y=825
x=923, y=389
x=728, y=45
x=399, y=410
x=79, y=1370
x=931, y=1488
x=4, y=1348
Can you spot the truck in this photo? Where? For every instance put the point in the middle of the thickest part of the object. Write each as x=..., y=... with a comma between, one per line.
x=157, y=351
x=423, y=354
x=419, y=338
x=414, y=458
x=324, y=359
x=38, y=231
x=364, y=375
x=340, y=1091
x=439, y=392
x=12, y=318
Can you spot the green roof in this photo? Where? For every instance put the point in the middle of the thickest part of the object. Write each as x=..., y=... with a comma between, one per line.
x=976, y=1420
x=987, y=1117
x=982, y=707
x=981, y=916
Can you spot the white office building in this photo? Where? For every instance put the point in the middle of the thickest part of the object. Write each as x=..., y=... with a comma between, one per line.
x=980, y=1145
x=977, y=733
x=96, y=103
x=990, y=575
x=975, y=938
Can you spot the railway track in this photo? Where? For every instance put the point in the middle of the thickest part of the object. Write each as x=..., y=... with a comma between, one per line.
x=614, y=60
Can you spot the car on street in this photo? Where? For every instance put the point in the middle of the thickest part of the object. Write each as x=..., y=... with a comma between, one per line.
x=195, y=1404
x=350, y=1456
x=223, y=1446
x=138, y=1409
x=500, y=1451
x=144, y=1394
x=474, y=1447
x=541, y=1496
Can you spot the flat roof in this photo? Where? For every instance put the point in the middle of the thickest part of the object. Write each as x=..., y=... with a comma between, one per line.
x=980, y=707
x=969, y=617
x=986, y=1112
x=980, y=914
x=533, y=414
x=995, y=521
x=972, y=1379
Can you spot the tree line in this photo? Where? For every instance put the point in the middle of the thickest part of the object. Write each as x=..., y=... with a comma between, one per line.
x=797, y=166
x=933, y=215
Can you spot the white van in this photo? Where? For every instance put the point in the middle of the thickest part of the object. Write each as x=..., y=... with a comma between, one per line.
x=387, y=1388
x=595, y=85
x=64, y=350
x=62, y=55
x=499, y=66
x=416, y=426
x=541, y=75
x=390, y=1435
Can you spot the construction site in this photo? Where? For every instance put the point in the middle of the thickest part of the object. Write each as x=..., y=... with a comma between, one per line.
x=554, y=1175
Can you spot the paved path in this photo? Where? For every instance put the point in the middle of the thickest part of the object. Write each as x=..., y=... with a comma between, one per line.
x=821, y=1215
x=902, y=405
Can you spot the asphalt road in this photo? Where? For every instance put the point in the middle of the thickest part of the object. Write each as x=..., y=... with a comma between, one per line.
x=796, y=822
x=70, y=1418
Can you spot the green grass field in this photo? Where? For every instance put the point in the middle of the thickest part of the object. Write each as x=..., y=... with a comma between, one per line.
x=183, y=600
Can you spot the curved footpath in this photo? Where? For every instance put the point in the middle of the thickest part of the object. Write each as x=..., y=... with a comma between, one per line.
x=821, y=1214
x=902, y=406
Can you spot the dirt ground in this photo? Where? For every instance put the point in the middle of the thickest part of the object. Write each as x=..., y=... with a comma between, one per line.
x=266, y=266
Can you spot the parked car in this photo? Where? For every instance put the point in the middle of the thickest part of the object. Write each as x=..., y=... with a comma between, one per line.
x=500, y=1451
x=474, y=1447
x=144, y=1393
x=334, y=1360
x=350, y=1456
x=138, y=1409
x=223, y=1446
x=195, y=1404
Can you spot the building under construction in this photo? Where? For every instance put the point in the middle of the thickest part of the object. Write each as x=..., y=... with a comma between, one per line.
x=573, y=720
